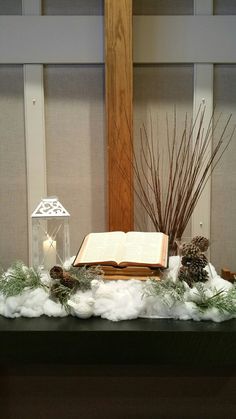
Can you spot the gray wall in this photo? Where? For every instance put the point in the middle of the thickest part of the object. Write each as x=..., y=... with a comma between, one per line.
x=223, y=204
x=75, y=149
x=13, y=194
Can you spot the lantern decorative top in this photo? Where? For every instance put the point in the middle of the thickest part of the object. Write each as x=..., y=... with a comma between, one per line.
x=50, y=207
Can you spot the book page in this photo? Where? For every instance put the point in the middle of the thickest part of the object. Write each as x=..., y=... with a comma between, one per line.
x=102, y=247
x=143, y=248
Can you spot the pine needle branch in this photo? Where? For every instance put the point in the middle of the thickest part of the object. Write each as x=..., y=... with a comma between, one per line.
x=224, y=301
x=82, y=278
x=18, y=278
x=62, y=294
x=85, y=275
x=170, y=291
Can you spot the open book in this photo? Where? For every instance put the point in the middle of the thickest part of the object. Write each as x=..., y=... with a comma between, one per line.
x=121, y=249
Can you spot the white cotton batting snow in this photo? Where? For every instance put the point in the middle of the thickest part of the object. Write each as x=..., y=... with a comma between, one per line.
x=31, y=303
x=157, y=308
x=119, y=300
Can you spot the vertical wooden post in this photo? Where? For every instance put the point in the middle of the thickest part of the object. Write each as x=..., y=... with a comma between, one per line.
x=119, y=95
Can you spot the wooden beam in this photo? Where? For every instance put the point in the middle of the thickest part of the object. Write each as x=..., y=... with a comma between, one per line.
x=119, y=94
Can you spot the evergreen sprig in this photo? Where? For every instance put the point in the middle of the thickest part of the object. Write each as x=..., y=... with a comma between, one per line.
x=62, y=294
x=85, y=275
x=170, y=291
x=18, y=278
x=82, y=276
x=224, y=301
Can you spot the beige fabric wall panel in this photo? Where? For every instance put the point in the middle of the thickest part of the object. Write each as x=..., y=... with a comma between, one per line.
x=13, y=194
x=163, y=7
x=73, y=7
x=74, y=105
x=223, y=204
x=157, y=89
x=10, y=7
x=224, y=7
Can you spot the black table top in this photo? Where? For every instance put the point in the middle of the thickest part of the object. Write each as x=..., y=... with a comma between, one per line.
x=95, y=340
x=95, y=324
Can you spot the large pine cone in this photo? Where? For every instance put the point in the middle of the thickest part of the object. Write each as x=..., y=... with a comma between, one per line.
x=201, y=242
x=200, y=262
x=68, y=281
x=199, y=276
x=189, y=250
x=183, y=273
x=65, y=278
x=187, y=261
x=56, y=272
x=195, y=263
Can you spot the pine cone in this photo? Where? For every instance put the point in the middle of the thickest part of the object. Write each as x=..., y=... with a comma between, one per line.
x=65, y=278
x=68, y=281
x=200, y=262
x=183, y=273
x=187, y=261
x=200, y=276
x=203, y=277
x=201, y=242
x=56, y=272
x=189, y=250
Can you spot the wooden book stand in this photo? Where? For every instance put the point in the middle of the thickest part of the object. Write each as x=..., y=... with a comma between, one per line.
x=229, y=276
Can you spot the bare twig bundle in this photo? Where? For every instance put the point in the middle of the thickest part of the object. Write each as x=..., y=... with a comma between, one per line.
x=171, y=175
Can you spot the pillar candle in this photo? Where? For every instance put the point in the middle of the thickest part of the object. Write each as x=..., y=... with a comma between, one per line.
x=49, y=253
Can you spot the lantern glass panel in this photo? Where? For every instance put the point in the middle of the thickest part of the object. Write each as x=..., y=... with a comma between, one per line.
x=50, y=240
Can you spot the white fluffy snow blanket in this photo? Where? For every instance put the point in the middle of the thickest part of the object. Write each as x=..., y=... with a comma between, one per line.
x=120, y=300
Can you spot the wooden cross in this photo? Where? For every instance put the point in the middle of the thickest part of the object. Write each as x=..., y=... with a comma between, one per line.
x=119, y=94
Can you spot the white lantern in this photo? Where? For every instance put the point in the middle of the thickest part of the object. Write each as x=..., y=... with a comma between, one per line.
x=50, y=234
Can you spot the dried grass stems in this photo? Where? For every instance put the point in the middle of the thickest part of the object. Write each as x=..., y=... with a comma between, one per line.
x=170, y=174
